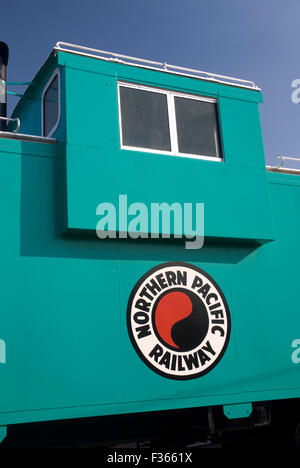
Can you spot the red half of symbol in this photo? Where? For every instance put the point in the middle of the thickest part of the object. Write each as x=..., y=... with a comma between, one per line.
x=172, y=308
x=181, y=320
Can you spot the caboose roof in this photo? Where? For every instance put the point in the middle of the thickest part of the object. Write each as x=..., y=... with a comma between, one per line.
x=150, y=64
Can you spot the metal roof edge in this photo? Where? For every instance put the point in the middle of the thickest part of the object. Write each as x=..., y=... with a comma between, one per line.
x=152, y=65
x=283, y=170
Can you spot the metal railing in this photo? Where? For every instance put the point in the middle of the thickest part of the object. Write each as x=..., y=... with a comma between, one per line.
x=13, y=120
x=283, y=158
x=162, y=66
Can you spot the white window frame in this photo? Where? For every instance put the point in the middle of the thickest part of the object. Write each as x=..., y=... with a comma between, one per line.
x=172, y=122
x=54, y=74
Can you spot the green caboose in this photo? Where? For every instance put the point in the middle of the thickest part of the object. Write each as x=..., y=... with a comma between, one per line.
x=116, y=298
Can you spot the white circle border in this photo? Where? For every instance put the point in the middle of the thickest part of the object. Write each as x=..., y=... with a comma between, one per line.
x=144, y=346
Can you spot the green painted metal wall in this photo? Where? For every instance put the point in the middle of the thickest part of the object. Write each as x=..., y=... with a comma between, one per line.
x=97, y=170
x=64, y=294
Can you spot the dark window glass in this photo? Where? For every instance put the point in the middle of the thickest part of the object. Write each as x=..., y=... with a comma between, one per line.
x=50, y=106
x=197, y=127
x=145, y=122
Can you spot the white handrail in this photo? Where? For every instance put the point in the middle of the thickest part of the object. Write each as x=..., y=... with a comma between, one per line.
x=163, y=66
x=13, y=120
x=283, y=158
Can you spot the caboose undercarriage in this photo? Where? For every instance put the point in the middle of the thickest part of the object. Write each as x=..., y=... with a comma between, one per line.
x=275, y=422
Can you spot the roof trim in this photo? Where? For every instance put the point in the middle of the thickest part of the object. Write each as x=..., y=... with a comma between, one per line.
x=149, y=64
x=24, y=137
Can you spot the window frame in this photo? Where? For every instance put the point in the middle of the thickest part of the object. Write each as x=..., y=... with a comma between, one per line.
x=47, y=86
x=172, y=122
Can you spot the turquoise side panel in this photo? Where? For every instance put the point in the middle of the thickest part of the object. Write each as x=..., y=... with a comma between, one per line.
x=99, y=171
x=64, y=301
x=178, y=179
x=56, y=341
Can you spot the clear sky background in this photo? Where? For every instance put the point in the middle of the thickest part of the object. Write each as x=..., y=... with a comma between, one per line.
x=258, y=40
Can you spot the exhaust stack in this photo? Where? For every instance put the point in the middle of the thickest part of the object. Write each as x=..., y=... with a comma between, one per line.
x=4, y=53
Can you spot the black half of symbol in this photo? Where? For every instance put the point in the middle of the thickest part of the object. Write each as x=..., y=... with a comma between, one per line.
x=189, y=332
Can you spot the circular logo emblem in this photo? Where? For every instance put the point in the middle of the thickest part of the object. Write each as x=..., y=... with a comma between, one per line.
x=178, y=320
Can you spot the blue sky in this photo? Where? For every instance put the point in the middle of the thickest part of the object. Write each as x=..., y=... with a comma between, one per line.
x=251, y=39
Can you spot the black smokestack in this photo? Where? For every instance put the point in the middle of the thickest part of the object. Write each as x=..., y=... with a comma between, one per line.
x=4, y=53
